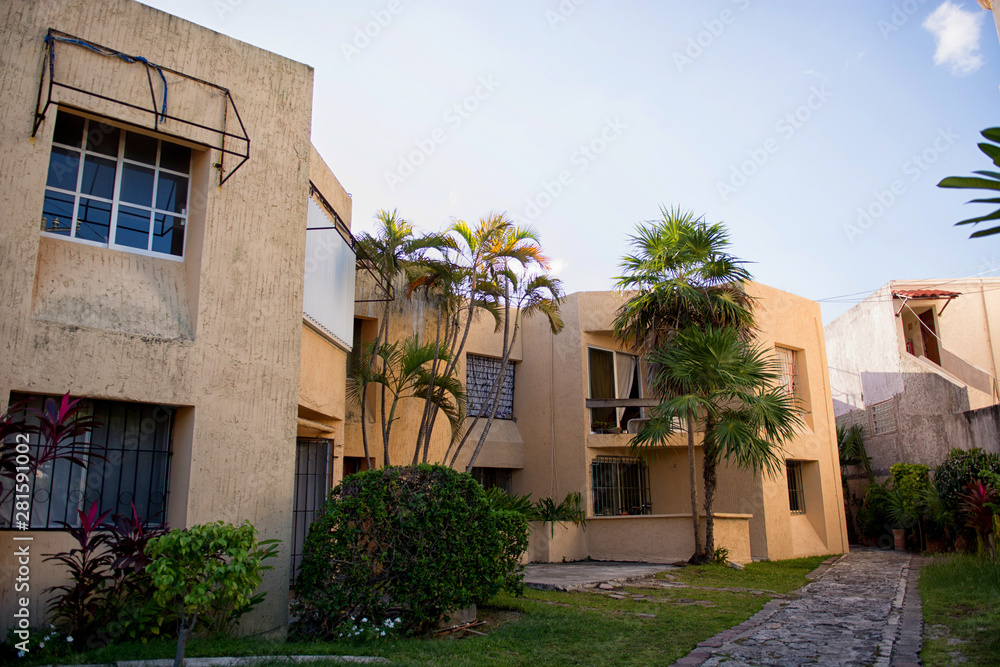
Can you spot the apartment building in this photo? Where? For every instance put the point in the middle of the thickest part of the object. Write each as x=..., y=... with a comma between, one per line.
x=172, y=245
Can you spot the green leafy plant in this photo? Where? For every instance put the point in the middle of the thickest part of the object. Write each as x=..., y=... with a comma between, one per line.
x=873, y=514
x=206, y=569
x=510, y=502
x=952, y=478
x=989, y=181
x=720, y=556
x=570, y=509
x=409, y=542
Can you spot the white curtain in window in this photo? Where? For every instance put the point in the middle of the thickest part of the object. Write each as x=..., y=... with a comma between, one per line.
x=625, y=369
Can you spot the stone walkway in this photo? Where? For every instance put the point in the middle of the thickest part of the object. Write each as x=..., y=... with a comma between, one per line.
x=586, y=574
x=863, y=610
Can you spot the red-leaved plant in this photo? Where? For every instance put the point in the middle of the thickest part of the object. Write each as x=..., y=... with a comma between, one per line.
x=59, y=425
x=978, y=504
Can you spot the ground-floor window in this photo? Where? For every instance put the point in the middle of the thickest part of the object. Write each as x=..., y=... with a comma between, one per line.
x=501, y=478
x=796, y=493
x=620, y=485
x=312, y=485
x=129, y=467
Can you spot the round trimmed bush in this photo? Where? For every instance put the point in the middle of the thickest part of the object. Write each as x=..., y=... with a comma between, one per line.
x=405, y=542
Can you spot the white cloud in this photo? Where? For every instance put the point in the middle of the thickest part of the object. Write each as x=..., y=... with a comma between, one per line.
x=956, y=32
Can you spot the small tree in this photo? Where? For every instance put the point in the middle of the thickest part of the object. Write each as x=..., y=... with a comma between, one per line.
x=987, y=181
x=207, y=568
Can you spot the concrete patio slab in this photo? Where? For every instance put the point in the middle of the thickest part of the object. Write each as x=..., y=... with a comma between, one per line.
x=586, y=574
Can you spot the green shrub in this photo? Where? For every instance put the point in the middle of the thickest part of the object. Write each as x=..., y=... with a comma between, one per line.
x=405, y=542
x=210, y=570
x=960, y=468
x=873, y=514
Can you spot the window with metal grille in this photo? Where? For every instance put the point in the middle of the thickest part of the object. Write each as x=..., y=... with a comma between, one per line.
x=620, y=485
x=480, y=375
x=884, y=417
x=788, y=370
x=131, y=467
x=120, y=189
x=796, y=494
x=312, y=485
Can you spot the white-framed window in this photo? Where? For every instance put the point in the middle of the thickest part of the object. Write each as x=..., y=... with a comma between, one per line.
x=116, y=188
x=612, y=375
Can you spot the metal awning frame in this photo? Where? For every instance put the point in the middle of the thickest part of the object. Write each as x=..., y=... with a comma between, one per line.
x=48, y=66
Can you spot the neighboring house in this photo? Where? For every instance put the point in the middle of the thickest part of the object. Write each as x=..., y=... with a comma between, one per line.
x=915, y=365
x=155, y=194
x=569, y=394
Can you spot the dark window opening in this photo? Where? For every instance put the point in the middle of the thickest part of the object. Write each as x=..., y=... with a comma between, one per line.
x=312, y=485
x=500, y=478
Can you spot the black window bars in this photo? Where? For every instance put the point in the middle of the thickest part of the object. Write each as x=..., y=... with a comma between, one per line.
x=158, y=110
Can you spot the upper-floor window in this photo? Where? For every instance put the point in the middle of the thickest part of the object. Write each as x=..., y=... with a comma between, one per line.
x=117, y=188
x=613, y=375
x=480, y=376
x=788, y=369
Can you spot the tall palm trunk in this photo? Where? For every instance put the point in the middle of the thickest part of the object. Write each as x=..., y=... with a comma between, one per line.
x=694, y=489
x=710, y=475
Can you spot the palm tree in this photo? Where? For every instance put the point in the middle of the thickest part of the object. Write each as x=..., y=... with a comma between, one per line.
x=509, y=278
x=680, y=274
x=387, y=253
x=401, y=368
x=730, y=389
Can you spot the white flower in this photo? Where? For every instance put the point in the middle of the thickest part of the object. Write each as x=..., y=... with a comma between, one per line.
x=41, y=644
x=20, y=654
x=69, y=639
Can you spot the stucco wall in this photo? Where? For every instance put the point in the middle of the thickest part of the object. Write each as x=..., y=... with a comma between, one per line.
x=864, y=341
x=220, y=332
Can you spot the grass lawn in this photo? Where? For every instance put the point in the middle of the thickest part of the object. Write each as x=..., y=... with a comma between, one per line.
x=555, y=628
x=961, y=601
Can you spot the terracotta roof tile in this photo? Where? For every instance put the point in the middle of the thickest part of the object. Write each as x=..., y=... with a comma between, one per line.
x=924, y=294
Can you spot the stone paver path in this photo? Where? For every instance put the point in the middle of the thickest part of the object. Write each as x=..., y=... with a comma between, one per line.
x=863, y=610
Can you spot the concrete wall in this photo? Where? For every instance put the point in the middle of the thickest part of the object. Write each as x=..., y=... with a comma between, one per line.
x=219, y=334
x=863, y=349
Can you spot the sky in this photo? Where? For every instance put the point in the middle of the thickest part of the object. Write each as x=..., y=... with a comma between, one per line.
x=815, y=131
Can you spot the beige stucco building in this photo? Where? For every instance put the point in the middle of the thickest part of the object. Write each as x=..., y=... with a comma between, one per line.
x=915, y=364
x=156, y=187
x=573, y=389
